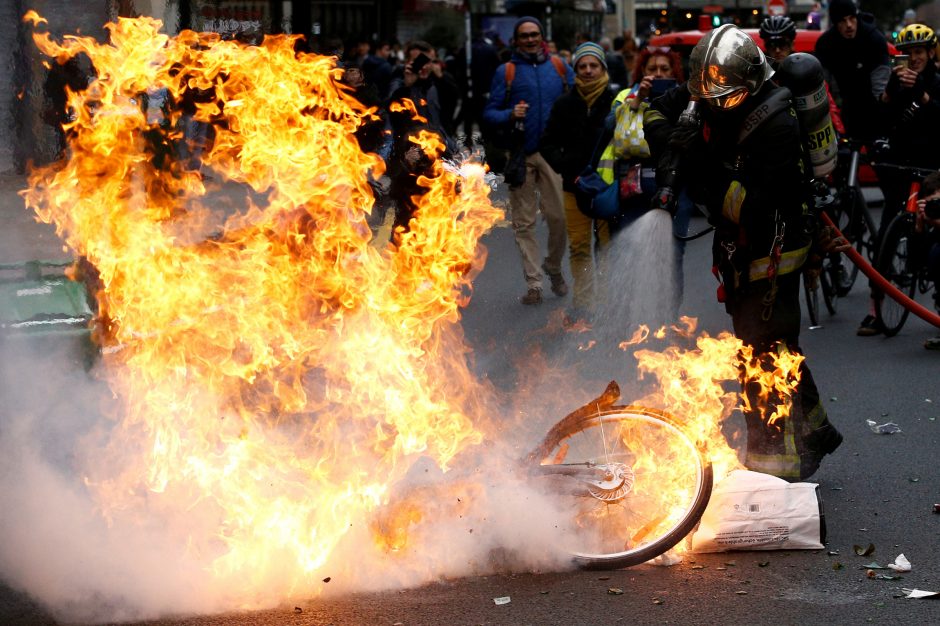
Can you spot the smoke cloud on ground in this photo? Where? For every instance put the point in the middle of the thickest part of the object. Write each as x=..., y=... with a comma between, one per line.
x=484, y=515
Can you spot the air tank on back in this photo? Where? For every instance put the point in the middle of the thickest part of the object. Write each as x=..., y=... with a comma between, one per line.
x=802, y=74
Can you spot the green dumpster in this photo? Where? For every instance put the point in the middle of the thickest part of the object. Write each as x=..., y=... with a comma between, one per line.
x=44, y=311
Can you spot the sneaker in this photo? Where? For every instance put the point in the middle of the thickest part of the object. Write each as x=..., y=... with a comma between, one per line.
x=559, y=288
x=868, y=327
x=533, y=296
x=933, y=343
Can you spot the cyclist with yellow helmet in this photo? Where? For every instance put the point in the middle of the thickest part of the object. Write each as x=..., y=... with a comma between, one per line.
x=912, y=114
x=912, y=100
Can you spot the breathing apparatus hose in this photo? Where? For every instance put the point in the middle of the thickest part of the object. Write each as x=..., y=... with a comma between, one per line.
x=882, y=283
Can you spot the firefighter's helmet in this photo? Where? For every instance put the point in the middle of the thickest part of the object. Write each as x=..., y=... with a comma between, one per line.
x=726, y=66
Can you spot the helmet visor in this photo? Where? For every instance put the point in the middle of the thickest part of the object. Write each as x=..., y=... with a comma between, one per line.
x=728, y=101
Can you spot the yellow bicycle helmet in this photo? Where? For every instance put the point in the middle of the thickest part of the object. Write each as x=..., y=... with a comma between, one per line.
x=916, y=35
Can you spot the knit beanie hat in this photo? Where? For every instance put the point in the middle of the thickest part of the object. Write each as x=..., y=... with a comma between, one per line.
x=523, y=20
x=589, y=49
x=839, y=9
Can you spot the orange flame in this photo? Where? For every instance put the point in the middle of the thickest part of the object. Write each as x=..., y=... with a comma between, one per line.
x=277, y=374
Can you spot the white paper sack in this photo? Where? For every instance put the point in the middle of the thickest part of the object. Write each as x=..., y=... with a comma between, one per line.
x=754, y=511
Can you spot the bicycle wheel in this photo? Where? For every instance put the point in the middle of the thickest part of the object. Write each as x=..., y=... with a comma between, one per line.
x=895, y=263
x=633, y=481
x=853, y=220
x=811, y=294
x=832, y=271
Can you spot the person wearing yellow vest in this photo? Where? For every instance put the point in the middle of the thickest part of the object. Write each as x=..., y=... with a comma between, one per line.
x=628, y=156
x=574, y=126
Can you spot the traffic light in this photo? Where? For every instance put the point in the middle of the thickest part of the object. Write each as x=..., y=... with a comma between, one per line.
x=716, y=21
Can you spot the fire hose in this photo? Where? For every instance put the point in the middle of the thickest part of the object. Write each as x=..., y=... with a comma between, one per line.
x=882, y=283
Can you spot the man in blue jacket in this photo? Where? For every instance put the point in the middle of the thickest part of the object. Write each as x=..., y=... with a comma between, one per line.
x=523, y=92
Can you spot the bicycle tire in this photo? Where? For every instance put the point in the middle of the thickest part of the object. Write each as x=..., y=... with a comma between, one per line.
x=830, y=273
x=641, y=525
x=811, y=295
x=894, y=263
x=855, y=223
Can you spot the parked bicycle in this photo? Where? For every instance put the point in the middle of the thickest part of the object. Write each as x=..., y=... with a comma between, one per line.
x=846, y=206
x=637, y=482
x=901, y=257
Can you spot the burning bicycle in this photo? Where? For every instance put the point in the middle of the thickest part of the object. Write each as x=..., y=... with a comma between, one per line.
x=635, y=478
x=273, y=382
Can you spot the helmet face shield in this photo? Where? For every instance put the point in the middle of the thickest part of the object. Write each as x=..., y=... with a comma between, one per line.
x=726, y=60
x=728, y=101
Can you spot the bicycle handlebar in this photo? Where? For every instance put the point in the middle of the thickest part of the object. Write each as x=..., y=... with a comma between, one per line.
x=889, y=289
x=922, y=172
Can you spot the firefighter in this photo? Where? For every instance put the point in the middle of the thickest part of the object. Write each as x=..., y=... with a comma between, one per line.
x=734, y=136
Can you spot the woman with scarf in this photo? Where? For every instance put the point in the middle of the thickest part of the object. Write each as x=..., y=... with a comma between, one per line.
x=574, y=127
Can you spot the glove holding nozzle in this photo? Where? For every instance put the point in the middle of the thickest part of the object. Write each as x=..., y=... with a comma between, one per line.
x=667, y=181
x=666, y=200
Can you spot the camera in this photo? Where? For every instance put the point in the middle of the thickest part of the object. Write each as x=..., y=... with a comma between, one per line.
x=932, y=209
x=420, y=61
x=901, y=60
x=660, y=86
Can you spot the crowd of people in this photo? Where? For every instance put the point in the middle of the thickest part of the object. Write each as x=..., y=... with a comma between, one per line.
x=721, y=140
x=723, y=137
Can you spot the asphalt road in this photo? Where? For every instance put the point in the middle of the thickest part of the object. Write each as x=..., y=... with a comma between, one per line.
x=877, y=489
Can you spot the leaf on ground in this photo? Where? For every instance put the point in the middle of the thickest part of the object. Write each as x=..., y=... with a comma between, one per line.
x=860, y=551
x=872, y=565
x=837, y=566
x=615, y=591
x=763, y=563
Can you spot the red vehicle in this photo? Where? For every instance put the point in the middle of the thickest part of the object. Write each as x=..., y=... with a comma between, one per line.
x=683, y=42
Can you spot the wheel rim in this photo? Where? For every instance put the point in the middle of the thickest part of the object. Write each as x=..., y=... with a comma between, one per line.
x=666, y=476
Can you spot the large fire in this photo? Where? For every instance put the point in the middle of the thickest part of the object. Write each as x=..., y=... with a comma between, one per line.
x=277, y=374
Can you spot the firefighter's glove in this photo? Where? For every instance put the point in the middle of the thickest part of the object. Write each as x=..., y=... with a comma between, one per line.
x=683, y=137
x=666, y=200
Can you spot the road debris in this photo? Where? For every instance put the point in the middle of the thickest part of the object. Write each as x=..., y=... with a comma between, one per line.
x=615, y=591
x=888, y=428
x=297, y=609
x=501, y=600
x=901, y=564
x=920, y=593
x=860, y=551
x=658, y=600
x=667, y=559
